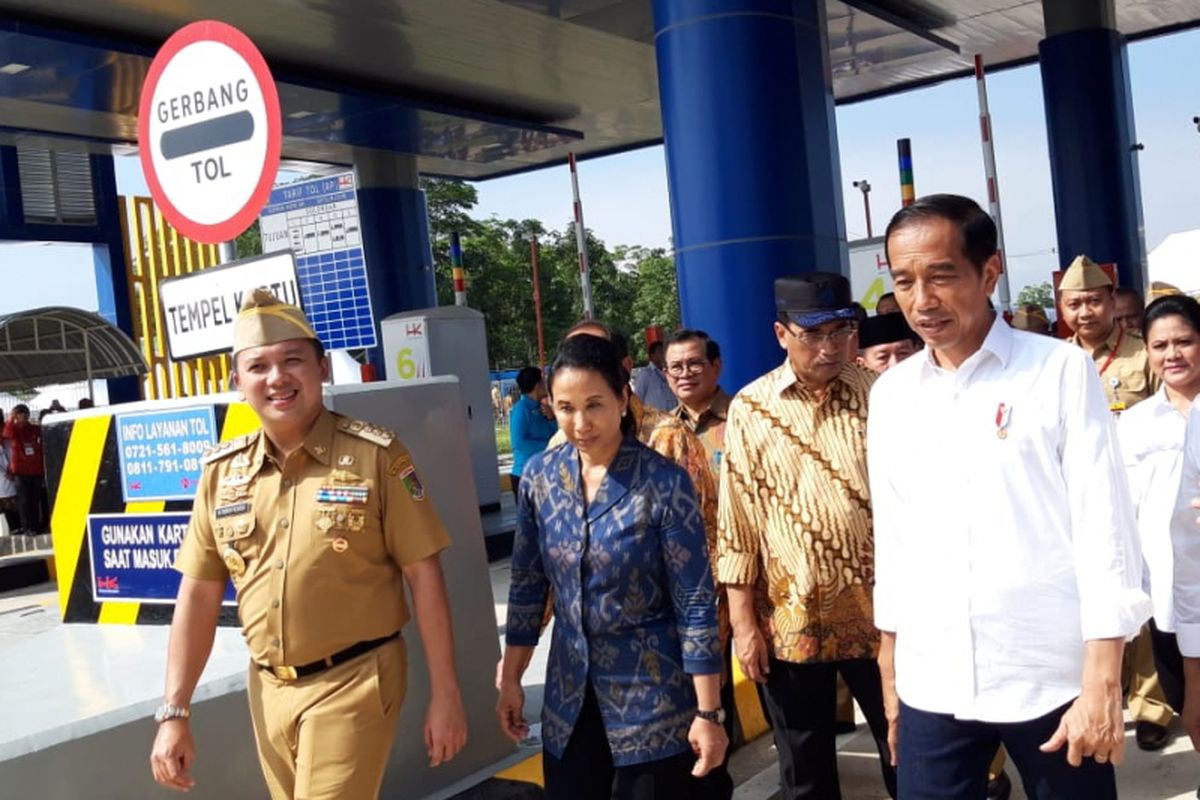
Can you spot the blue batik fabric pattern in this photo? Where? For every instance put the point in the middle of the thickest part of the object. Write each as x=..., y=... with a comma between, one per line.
x=634, y=606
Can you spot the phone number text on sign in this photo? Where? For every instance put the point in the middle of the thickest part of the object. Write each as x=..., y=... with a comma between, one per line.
x=160, y=452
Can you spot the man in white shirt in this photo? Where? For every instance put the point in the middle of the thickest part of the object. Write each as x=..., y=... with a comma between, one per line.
x=1008, y=574
x=651, y=385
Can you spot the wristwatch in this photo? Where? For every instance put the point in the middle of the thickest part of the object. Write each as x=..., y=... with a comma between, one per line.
x=716, y=716
x=168, y=711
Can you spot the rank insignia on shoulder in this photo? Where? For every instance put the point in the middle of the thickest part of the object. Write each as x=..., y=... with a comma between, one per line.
x=408, y=476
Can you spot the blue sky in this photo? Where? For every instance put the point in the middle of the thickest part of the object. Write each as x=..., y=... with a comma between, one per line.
x=625, y=196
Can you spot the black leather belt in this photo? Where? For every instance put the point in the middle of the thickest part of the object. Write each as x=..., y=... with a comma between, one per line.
x=341, y=656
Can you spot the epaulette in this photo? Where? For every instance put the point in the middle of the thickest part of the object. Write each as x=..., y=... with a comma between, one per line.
x=227, y=447
x=365, y=430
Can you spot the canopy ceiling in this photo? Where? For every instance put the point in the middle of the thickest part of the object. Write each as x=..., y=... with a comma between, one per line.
x=57, y=344
x=472, y=88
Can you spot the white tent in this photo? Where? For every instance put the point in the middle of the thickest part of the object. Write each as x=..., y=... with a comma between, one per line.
x=1177, y=261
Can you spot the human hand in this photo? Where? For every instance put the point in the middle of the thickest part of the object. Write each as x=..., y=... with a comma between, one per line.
x=891, y=710
x=752, y=653
x=1092, y=727
x=445, y=727
x=172, y=755
x=709, y=743
x=510, y=710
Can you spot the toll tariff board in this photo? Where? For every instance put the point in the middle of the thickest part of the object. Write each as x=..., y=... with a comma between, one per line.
x=160, y=452
x=209, y=131
x=133, y=557
x=318, y=221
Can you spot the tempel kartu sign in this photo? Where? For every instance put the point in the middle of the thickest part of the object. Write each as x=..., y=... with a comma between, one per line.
x=200, y=308
x=209, y=131
x=133, y=557
x=159, y=452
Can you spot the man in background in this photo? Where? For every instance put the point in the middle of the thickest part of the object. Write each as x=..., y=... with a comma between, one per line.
x=651, y=385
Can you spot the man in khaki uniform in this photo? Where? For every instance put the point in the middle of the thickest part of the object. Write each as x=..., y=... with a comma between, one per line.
x=1089, y=308
x=319, y=520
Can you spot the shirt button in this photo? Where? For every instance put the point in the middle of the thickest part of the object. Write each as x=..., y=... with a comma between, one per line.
x=274, y=643
x=283, y=523
x=279, y=564
x=287, y=483
x=274, y=604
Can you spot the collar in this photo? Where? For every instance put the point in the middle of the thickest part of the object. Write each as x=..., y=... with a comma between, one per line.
x=998, y=343
x=1109, y=344
x=718, y=407
x=318, y=442
x=784, y=378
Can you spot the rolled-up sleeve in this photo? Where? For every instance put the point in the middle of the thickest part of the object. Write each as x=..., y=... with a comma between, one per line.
x=689, y=578
x=1185, y=544
x=529, y=587
x=737, y=533
x=887, y=515
x=1104, y=539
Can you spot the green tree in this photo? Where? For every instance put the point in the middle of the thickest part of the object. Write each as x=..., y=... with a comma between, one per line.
x=1041, y=295
x=250, y=242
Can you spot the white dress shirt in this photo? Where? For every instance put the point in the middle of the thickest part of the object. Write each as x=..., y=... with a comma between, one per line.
x=1185, y=543
x=1151, y=435
x=1004, y=529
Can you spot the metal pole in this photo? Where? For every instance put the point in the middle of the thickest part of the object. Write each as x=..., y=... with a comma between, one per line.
x=457, y=271
x=87, y=362
x=865, y=188
x=581, y=241
x=993, y=185
x=537, y=299
x=228, y=252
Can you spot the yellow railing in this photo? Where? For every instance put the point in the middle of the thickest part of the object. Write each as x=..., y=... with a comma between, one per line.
x=155, y=252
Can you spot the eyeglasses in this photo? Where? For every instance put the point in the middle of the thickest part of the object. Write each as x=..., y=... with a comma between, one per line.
x=694, y=366
x=837, y=336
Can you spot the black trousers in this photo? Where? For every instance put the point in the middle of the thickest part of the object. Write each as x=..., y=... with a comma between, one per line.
x=718, y=783
x=1168, y=661
x=586, y=770
x=29, y=502
x=943, y=758
x=802, y=702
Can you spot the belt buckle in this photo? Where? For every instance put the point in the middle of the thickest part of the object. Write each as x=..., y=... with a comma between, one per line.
x=285, y=673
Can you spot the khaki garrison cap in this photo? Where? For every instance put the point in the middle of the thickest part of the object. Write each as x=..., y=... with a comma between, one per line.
x=1162, y=289
x=1083, y=274
x=265, y=319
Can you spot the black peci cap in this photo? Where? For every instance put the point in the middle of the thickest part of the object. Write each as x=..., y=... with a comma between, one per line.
x=814, y=298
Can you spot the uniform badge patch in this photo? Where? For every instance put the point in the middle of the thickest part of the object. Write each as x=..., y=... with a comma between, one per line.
x=411, y=482
x=398, y=465
x=234, y=562
x=346, y=460
x=324, y=524
x=340, y=545
x=228, y=511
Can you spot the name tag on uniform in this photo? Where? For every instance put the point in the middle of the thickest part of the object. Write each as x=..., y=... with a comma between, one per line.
x=28, y=449
x=231, y=510
x=356, y=495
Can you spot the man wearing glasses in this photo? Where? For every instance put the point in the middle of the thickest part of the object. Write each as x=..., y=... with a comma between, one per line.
x=694, y=372
x=795, y=548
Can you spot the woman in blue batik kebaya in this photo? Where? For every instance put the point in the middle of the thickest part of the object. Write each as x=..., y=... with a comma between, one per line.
x=632, y=704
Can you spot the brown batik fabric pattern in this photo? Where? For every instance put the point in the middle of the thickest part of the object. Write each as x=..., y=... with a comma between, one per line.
x=795, y=514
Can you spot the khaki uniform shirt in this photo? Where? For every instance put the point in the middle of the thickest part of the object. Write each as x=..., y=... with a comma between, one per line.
x=314, y=544
x=709, y=427
x=795, y=514
x=1126, y=375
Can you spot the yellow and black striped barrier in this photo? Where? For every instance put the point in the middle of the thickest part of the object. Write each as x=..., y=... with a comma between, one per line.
x=83, y=476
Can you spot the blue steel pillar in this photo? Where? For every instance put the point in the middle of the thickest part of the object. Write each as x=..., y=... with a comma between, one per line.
x=752, y=163
x=396, y=245
x=1089, y=122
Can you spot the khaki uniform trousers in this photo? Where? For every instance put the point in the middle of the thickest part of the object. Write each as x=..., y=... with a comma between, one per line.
x=1145, y=697
x=328, y=736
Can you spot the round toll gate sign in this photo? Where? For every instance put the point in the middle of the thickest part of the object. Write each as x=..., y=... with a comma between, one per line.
x=209, y=131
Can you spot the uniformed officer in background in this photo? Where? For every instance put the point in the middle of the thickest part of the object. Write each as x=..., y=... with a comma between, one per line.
x=1089, y=308
x=316, y=518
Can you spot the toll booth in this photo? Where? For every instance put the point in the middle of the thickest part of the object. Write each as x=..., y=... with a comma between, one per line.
x=82, y=693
